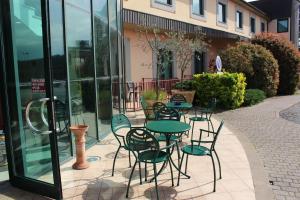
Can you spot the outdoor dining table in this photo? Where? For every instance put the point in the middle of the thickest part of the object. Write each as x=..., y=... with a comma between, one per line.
x=180, y=106
x=168, y=128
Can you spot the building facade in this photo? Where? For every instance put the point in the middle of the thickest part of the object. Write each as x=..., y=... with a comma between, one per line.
x=60, y=66
x=223, y=21
x=283, y=17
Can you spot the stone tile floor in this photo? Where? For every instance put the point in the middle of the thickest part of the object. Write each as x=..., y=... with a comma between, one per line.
x=96, y=182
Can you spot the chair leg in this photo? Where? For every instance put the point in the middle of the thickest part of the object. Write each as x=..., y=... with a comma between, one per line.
x=171, y=172
x=129, y=159
x=155, y=178
x=114, y=162
x=180, y=169
x=220, y=173
x=208, y=125
x=214, y=168
x=193, y=129
x=145, y=171
x=178, y=152
x=130, y=179
x=212, y=126
x=140, y=172
x=186, y=163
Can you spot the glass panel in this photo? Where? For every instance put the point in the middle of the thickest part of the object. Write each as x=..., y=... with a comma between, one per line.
x=81, y=65
x=168, y=2
x=114, y=62
x=26, y=82
x=198, y=7
x=167, y=69
x=283, y=26
x=221, y=13
x=239, y=19
x=102, y=66
x=59, y=70
x=252, y=23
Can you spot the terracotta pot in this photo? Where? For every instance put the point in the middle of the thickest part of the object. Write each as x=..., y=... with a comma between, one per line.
x=188, y=94
x=79, y=133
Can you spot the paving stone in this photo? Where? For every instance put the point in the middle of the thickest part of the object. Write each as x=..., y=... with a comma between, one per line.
x=273, y=127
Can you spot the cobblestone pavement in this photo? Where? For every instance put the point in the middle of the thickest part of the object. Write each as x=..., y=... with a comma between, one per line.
x=276, y=140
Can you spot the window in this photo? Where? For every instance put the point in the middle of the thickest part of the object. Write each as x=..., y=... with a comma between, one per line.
x=239, y=19
x=167, y=2
x=166, y=64
x=262, y=27
x=198, y=7
x=252, y=24
x=282, y=25
x=221, y=12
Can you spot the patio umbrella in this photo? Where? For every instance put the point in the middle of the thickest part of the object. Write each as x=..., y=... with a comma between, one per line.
x=219, y=64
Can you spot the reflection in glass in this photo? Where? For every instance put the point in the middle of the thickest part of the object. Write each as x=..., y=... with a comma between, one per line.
x=102, y=67
x=114, y=62
x=59, y=70
x=81, y=65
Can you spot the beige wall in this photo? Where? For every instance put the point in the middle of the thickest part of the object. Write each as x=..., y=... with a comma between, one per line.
x=182, y=13
x=272, y=27
x=141, y=61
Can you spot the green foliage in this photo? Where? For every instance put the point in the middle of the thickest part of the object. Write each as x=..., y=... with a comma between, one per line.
x=185, y=85
x=257, y=63
x=253, y=96
x=228, y=88
x=287, y=57
x=151, y=95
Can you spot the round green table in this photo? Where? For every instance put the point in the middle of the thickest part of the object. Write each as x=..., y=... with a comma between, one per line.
x=182, y=106
x=168, y=128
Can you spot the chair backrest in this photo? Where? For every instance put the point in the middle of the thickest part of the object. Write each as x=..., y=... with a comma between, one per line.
x=118, y=122
x=139, y=140
x=166, y=113
x=157, y=106
x=178, y=98
x=216, y=134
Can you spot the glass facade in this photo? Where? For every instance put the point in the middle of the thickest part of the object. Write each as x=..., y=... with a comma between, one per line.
x=78, y=62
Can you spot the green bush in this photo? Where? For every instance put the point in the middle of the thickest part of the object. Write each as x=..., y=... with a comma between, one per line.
x=253, y=96
x=228, y=88
x=151, y=95
x=257, y=63
x=287, y=57
x=185, y=85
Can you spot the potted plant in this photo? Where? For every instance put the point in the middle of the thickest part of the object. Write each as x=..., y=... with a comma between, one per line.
x=186, y=89
x=150, y=97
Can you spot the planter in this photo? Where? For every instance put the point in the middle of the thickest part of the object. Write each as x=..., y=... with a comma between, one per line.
x=150, y=103
x=189, y=95
x=79, y=133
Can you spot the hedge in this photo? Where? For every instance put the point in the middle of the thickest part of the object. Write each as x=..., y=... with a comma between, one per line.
x=227, y=88
x=254, y=96
x=287, y=57
x=257, y=63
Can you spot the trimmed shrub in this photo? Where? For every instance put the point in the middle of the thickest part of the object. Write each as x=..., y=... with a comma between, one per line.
x=184, y=85
x=287, y=57
x=227, y=88
x=253, y=96
x=257, y=63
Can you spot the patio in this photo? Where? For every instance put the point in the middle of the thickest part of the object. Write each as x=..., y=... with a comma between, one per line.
x=96, y=182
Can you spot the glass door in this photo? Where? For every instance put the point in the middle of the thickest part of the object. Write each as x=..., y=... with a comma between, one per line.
x=29, y=86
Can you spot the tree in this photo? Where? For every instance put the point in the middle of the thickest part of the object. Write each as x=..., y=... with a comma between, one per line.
x=184, y=46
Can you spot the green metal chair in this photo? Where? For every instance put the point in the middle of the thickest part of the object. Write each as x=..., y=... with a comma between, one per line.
x=204, y=114
x=119, y=122
x=146, y=149
x=148, y=111
x=196, y=149
x=180, y=98
x=157, y=106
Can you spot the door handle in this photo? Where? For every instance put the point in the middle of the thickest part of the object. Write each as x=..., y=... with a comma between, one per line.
x=27, y=117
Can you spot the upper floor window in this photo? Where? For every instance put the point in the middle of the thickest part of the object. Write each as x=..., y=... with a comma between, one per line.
x=262, y=27
x=198, y=7
x=222, y=12
x=239, y=19
x=252, y=25
x=167, y=2
x=282, y=25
